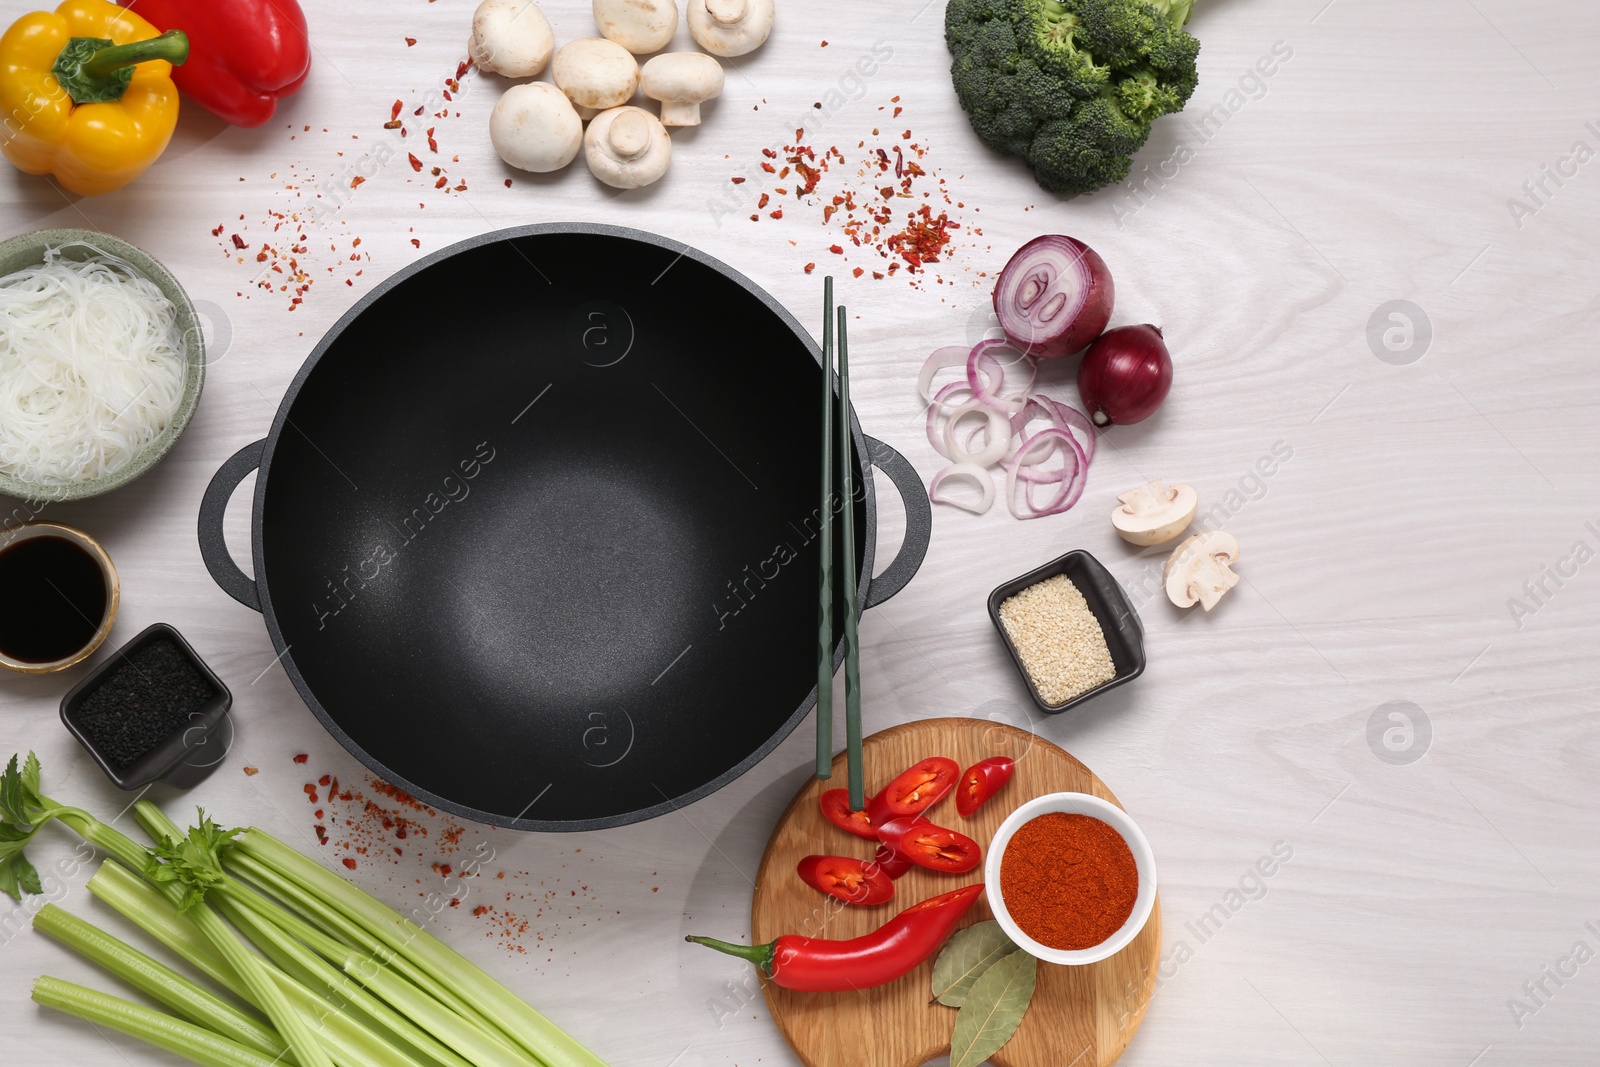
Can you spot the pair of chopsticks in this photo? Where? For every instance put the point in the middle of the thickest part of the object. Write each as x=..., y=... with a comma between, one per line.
x=836, y=440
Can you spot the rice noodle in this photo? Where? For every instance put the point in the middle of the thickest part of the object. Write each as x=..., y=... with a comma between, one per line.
x=92, y=367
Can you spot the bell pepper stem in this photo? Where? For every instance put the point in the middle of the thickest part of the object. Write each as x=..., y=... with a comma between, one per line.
x=760, y=955
x=172, y=46
x=95, y=71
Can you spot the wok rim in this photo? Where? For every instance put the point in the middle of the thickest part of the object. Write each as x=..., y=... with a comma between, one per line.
x=281, y=419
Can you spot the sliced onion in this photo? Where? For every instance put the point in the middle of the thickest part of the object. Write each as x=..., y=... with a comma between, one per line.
x=1054, y=296
x=1064, y=418
x=986, y=374
x=995, y=448
x=971, y=471
x=949, y=356
x=1034, y=452
x=936, y=408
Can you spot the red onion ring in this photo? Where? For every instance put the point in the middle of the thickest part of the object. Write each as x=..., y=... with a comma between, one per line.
x=1071, y=484
x=949, y=356
x=936, y=408
x=978, y=475
x=981, y=359
x=994, y=449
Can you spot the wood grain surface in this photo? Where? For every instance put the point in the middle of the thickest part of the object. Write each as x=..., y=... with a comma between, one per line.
x=1079, y=1015
x=1406, y=506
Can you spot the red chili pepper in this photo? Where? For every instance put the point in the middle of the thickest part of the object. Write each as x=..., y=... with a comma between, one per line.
x=891, y=951
x=836, y=807
x=930, y=846
x=851, y=880
x=244, y=55
x=981, y=781
x=891, y=862
x=917, y=789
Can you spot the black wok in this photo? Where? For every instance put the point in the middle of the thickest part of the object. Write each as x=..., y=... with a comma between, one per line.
x=535, y=527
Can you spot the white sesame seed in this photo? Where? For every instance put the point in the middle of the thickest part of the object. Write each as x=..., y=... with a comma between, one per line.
x=1058, y=639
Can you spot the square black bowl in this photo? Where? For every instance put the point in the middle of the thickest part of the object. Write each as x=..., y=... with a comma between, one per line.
x=1118, y=621
x=188, y=755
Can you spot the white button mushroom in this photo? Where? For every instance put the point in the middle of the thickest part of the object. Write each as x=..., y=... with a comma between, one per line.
x=627, y=147
x=510, y=37
x=681, y=81
x=534, y=127
x=596, y=74
x=640, y=26
x=1154, y=514
x=730, y=27
x=1197, y=571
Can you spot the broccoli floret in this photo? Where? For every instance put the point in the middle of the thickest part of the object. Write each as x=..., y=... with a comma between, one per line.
x=1071, y=86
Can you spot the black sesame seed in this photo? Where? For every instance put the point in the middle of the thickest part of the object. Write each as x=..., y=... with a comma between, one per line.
x=146, y=699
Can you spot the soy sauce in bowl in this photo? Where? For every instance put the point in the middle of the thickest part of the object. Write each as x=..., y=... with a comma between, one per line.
x=57, y=598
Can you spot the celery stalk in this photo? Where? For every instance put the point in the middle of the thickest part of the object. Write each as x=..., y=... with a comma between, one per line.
x=510, y=1014
x=157, y=980
x=192, y=1042
x=482, y=1049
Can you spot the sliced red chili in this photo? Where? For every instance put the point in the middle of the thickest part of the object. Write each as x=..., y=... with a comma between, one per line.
x=930, y=846
x=836, y=808
x=851, y=880
x=891, y=862
x=917, y=789
x=981, y=781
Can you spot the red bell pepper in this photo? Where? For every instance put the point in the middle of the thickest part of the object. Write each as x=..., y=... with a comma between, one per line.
x=244, y=55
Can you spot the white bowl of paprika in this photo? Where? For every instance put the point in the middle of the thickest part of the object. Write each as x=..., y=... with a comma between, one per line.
x=1071, y=878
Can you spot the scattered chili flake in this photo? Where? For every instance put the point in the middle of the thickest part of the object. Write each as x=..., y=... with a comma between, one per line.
x=411, y=42
x=433, y=146
x=350, y=863
x=394, y=112
x=416, y=164
x=763, y=201
x=239, y=242
x=824, y=44
x=415, y=243
x=897, y=112
x=778, y=214
x=218, y=231
x=441, y=183
x=394, y=124
x=252, y=770
x=768, y=168
x=508, y=183
x=810, y=267
x=356, y=181
x=836, y=250
x=857, y=272
x=302, y=757
x=734, y=180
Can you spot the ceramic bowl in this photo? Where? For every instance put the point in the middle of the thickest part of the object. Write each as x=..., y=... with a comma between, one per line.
x=1074, y=804
x=27, y=250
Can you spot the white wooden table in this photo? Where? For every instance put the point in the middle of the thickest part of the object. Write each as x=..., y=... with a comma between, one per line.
x=1417, y=489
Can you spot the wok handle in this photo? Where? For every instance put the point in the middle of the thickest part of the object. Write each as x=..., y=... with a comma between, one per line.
x=213, y=506
x=919, y=522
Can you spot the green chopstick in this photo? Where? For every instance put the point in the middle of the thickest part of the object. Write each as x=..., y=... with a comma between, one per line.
x=852, y=641
x=825, y=544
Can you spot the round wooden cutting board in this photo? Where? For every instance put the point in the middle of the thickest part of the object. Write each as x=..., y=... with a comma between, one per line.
x=1082, y=1016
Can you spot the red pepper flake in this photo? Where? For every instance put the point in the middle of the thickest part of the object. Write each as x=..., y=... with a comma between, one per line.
x=394, y=112
x=836, y=250
x=416, y=164
x=441, y=183
x=480, y=910
x=755, y=218
x=239, y=242
x=324, y=780
x=878, y=275
x=763, y=201
x=508, y=183
x=356, y=181
x=350, y=863
x=858, y=272
x=769, y=153
x=433, y=146
x=302, y=757
x=906, y=136
x=778, y=214
x=418, y=111
x=218, y=231
x=411, y=42
x=810, y=267
x=251, y=771
x=768, y=168
x=736, y=181
x=415, y=243
x=897, y=112
x=392, y=124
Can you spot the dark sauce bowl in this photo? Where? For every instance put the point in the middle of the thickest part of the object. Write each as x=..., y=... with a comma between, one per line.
x=188, y=754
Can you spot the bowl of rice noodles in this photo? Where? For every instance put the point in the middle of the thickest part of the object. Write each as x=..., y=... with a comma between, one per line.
x=101, y=364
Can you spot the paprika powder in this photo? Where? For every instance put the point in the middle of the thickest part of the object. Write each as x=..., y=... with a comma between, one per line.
x=1069, y=881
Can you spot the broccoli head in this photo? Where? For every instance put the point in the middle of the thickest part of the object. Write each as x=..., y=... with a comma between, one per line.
x=1071, y=86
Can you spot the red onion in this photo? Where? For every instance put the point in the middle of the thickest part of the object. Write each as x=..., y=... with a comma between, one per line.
x=1125, y=375
x=986, y=374
x=1054, y=296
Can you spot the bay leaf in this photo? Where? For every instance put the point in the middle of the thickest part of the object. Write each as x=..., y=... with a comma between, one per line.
x=994, y=1009
x=969, y=953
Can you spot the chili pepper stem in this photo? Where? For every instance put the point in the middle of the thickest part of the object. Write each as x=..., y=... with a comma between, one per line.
x=760, y=955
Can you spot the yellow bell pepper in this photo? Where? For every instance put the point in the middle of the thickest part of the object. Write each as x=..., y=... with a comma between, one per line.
x=86, y=94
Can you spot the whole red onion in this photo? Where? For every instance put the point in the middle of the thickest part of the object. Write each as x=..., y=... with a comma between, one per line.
x=1054, y=296
x=1125, y=375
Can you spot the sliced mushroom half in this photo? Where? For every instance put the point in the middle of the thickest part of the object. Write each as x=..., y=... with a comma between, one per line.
x=1198, y=571
x=1155, y=513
